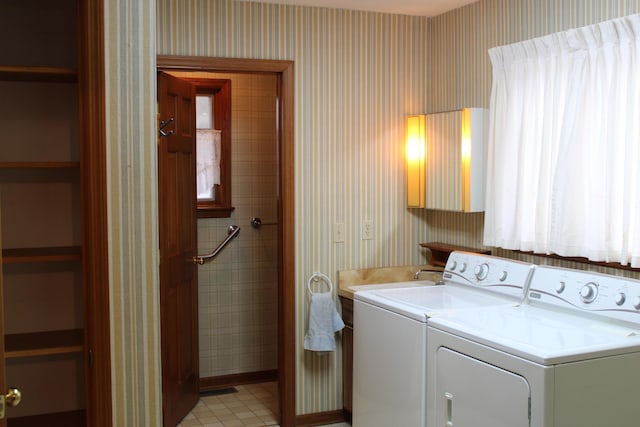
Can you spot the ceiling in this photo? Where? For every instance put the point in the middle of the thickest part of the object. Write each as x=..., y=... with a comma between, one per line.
x=403, y=7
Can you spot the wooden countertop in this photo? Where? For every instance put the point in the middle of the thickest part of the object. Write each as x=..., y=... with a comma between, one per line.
x=350, y=281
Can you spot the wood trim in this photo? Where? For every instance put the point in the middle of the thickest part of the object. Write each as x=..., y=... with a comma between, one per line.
x=440, y=252
x=320, y=418
x=50, y=254
x=38, y=74
x=39, y=165
x=582, y=260
x=286, y=207
x=221, y=88
x=44, y=343
x=95, y=252
x=224, y=381
x=60, y=419
x=287, y=302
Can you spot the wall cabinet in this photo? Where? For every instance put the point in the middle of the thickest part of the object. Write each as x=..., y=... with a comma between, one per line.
x=452, y=163
x=44, y=201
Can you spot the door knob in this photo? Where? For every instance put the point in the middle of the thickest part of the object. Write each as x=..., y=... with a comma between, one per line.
x=13, y=397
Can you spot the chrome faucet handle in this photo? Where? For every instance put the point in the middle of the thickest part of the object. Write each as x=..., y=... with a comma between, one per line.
x=425, y=270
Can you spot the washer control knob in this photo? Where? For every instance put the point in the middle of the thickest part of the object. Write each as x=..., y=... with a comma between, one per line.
x=453, y=264
x=481, y=271
x=636, y=303
x=620, y=298
x=589, y=292
x=463, y=267
x=503, y=276
x=560, y=287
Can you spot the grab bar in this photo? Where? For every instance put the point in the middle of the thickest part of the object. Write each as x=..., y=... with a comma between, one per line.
x=232, y=232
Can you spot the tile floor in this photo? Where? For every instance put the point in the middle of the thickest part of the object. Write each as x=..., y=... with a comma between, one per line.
x=252, y=405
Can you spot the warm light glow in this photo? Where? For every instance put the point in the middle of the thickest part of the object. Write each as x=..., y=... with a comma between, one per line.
x=415, y=149
x=466, y=158
x=466, y=135
x=415, y=138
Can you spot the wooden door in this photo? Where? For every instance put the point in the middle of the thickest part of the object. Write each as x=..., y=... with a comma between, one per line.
x=3, y=378
x=178, y=237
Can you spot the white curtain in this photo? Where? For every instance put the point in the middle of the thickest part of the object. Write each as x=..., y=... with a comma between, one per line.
x=208, y=157
x=563, y=171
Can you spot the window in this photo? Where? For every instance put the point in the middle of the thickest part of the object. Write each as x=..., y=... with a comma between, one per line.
x=213, y=147
x=563, y=172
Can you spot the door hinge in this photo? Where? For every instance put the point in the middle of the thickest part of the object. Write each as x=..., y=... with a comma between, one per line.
x=2, y=406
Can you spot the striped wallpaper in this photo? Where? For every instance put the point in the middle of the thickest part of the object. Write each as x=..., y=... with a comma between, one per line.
x=357, y=75
x=132, y=211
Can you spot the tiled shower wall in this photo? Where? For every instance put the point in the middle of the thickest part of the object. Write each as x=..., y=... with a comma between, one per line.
x=238, y=290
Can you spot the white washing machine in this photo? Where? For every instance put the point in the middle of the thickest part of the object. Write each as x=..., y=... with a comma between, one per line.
x=569, y=357
x=390, y=332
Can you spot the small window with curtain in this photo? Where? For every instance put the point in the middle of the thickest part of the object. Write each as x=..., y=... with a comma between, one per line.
x=213, y=147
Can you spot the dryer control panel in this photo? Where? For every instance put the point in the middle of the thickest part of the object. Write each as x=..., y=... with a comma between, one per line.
x=501, y=275
x=606, y=295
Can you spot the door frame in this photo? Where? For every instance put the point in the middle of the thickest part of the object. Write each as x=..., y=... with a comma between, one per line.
x=95, y=233
x=286, y=207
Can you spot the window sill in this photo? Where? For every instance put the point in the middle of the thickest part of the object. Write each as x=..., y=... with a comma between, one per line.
x=583, y=260
x=214, y=212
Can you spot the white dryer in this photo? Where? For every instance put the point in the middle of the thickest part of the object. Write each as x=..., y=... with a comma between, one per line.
x=569, y=357
x=390, y=332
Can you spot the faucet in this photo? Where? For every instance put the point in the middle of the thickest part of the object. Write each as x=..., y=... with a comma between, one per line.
x=425, y=270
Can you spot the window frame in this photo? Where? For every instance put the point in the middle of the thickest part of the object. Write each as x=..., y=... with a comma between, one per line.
x=220, y=89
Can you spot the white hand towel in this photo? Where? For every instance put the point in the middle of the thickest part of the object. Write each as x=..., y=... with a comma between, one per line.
x=324, y=322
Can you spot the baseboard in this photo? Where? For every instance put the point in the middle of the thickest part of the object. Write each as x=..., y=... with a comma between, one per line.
x=223, y=381
x=320, y=418
x=348, y=416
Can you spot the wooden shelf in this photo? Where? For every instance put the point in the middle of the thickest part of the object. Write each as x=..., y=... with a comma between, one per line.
x=43, y=343
x=440, y=252
x=52, y=254
x=38, y=74
x=60, y=419
x=39, y=165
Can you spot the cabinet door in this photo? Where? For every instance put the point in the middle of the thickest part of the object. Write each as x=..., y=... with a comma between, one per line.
x=455, y=160
x=471, y=393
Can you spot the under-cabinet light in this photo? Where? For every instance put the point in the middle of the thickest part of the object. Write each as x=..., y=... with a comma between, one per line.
x=416, y=153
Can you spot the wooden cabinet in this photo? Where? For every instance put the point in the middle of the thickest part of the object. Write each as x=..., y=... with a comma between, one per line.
x=450, y=167
x=455, y=160
x=347, y=357
x=47, y=200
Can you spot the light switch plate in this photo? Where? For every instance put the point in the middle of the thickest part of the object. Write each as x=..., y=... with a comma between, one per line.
x=338, y=232
x=367, y=229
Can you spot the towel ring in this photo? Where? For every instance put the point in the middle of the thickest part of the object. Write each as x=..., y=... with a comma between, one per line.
x=315, y=277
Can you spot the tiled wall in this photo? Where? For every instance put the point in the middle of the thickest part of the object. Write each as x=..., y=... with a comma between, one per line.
x=238, y=302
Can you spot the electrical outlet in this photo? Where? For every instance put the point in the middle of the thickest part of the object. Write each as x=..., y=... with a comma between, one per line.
x=338, y=232
x=367, y=229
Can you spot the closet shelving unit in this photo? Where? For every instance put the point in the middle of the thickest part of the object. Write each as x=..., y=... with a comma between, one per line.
x=43, y=295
